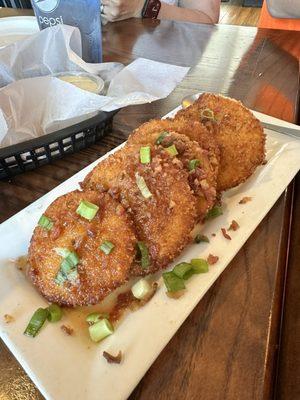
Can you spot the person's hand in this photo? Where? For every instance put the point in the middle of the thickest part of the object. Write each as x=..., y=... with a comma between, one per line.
x=116, y=10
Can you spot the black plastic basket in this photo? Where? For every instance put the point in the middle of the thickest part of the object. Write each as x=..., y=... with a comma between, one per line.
x=33, y=153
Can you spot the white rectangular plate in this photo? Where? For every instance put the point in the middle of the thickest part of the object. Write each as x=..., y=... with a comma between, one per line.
x=65, y=367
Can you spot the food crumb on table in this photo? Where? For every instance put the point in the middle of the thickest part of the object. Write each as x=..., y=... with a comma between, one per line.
x=67, y=330
x=113, y=359
x=8, y=318
x=234, y=226
x=225, y=234
x=211, y=259
x=245, y=200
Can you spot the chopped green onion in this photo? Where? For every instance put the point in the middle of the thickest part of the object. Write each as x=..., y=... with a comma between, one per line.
x=173, y=282
x=45, y=222
x=140, y=181
x=172, y=150
x=207, y=113
x=216, y=211
x=144, y=254
x=161, y=137
x=201, y=238
x=60, y=278
x=145, y=155
x=36, y=322
x=61, y=251
x=199, y=265
x=107, y=247
x=72, y=258
x=141, y=289
x=73, y=275
x=182, y=270
x=54, y=313
x=87, y=210
x=100, y=330
x=96, y=317
x=193, y=164
x=68, y=270
x=65, y=267
x=69, y=262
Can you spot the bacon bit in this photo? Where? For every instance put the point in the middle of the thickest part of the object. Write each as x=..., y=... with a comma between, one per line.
x=67, y=330
x=55, y=232
x=245, y=200
x=113, y=359
x=234, y=226
x=8, y=318
x=225, y=234
x=176, y=295
x=211, y=259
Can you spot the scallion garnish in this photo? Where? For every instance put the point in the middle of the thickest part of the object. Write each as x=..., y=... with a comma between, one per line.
x=36, y=322
x=172, y=150
x=183, y=270
x=141, y=289
x=54, y=313
x=45, y=222
x=140, y=181
x=73, y=276
x=143, y=254
x=107, y=247
x=173, y=282
x=201, y=238
x=200, y=266
x=193, y=164
x=161, y=137
x=96, y=317
x=207, y=113
x=68, y=266
x=145, y=155
x=87, y=210
x=60, y=278
x=216, y=211
x=100, y=330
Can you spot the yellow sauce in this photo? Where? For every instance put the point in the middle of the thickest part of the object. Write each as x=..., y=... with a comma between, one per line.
x=82, y=82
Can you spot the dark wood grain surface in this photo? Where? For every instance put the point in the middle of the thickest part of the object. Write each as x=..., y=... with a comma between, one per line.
x=228, y=347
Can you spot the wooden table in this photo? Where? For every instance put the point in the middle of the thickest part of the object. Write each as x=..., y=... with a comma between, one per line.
x=228, y=348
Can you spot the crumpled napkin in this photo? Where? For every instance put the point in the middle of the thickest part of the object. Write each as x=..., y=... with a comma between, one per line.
x=33, y=104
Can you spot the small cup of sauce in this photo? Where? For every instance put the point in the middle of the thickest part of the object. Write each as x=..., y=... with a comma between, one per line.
x=83, y=80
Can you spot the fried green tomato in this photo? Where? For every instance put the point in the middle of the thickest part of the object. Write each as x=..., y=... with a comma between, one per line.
x=194, y=159
x=240, y=136
x=158, y=197
x=67, y=264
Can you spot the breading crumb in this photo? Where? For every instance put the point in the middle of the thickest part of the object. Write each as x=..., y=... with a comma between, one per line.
x=8, y=318
x=67, y=330
x=225, y=234
x=245, y=200
x=211, y=259
x=234, y=226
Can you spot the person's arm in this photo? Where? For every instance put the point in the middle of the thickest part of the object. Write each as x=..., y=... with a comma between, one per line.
x=199, y=11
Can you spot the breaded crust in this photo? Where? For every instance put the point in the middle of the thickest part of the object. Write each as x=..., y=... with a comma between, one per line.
x=202, y=179
x=240, y=137
x=194, y=130
x=163, y=221
x=99, y=273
